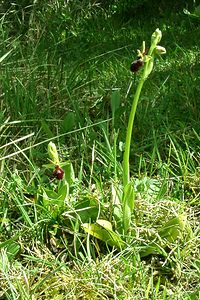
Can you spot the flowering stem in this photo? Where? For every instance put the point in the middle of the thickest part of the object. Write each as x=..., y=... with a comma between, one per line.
x=148, y=66
x=126, y=168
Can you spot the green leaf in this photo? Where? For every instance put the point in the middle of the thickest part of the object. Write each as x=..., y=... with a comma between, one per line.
x=12, y=248
x=118, y=217
x=152, y=248
x=55, y=202
x=63, y=193
x=197, y=11
x=47, y=129
x=128, y=206
x=68, y=121
x=87, y=209
x=51, y=197
x=102, y=231
x=149, y=67
x=176, y=228
x=115, y=102
x=104, y=223
x=5, y=55
x=69, y=172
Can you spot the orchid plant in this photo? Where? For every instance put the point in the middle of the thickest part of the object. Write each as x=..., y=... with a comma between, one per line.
x=148, y=60
x=122, y=212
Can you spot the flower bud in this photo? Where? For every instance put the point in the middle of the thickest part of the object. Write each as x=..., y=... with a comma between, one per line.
x=156, y=37
x=53, y=154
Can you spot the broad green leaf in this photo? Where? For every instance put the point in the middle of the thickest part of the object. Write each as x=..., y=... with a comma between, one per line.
x=63, y=193
x=104, y=234
x=104, y=223
x=49, y=194
x=45, y=199
x=128, y=206
x=51, y=197
x=87, y=209
x=69, y=173
x=56, y=204
x=176, y=228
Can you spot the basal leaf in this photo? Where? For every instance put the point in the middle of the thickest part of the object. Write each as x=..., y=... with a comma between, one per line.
x=104, y=233
x=69, y=172
x=63, y=192
x=128, y=205
x=104, y=223
x=176, y=228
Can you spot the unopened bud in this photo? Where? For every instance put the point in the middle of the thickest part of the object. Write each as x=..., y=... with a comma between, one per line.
x=53, y=154
x=156, y=37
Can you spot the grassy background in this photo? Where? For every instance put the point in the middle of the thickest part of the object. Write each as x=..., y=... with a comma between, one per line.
x=66, y=62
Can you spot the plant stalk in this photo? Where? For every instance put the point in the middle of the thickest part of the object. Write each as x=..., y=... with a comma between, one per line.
x=148, y=66
x=126, y=167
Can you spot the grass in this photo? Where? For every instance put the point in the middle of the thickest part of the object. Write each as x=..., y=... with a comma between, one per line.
x=64, y=81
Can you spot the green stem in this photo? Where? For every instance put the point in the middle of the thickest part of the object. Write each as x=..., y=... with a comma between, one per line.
x=148, y=65
x=126, y=171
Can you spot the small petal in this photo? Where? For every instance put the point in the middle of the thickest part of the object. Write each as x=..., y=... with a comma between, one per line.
x=160, y=50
